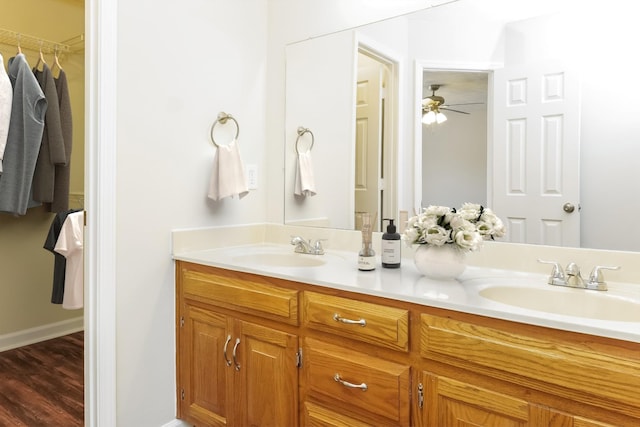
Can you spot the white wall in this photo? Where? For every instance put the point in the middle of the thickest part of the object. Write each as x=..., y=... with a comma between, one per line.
x=179, y=65
x=454, y=160
x=319, y=72
x=610, y=133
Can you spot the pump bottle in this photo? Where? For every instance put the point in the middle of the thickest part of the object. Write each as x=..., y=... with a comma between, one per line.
x=391, y=244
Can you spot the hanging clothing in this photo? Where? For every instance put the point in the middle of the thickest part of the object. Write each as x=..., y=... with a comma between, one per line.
x=6, y=99
x=62, y=178
x=52, y=151
x=60, y=262
x=70, y=245
x=26, y=125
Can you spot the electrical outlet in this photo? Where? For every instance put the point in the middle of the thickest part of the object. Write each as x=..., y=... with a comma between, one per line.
x=252, y=177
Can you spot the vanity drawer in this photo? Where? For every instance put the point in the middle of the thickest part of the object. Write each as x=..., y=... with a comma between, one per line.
x=362, y=321
x=241, y=294
x=589, y=375
x=387, y=383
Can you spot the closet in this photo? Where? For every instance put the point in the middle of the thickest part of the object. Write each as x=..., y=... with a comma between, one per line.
x=40, y=29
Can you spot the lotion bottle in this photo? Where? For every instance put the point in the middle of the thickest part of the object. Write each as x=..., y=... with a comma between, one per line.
x=391, y=244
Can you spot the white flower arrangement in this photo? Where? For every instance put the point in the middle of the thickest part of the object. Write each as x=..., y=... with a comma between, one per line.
x=466, y=228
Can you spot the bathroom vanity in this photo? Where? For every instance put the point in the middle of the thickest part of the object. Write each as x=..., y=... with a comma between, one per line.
x=278, y=344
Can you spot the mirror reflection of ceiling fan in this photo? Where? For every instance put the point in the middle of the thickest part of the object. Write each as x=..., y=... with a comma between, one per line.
x=432, y=106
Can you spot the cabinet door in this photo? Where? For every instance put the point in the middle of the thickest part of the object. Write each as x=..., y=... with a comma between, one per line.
x=266, y=366
x=206, y=380
x=448, y=402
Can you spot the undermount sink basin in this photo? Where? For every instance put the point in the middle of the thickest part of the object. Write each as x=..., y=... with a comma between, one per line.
x=281, y=259
x=566, y=301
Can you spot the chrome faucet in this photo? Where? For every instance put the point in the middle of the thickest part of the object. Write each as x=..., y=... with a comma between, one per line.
x=572, y=278
x=303, y=246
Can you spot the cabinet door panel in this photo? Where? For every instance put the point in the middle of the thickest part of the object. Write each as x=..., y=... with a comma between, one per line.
x=453, y=403
x=318, y=416
x=269, y=376
x=206, y=380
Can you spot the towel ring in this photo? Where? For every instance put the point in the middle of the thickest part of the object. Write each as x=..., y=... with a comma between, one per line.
x=302, y=131
x=222, y=119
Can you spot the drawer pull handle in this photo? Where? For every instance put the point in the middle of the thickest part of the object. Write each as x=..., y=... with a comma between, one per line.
x=224, y=354
x=339, y=318
x=235, y=360
x=347, y=384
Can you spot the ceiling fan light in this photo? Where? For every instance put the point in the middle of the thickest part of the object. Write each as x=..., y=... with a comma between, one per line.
x=440, y=118
x=429, y=118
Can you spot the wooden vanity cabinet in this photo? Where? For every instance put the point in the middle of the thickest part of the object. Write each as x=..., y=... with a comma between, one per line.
x=260, y=351
x=233, y=369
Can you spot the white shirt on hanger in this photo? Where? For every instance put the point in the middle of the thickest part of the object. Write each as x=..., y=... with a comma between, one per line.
x=6, y=100
x=70, y=245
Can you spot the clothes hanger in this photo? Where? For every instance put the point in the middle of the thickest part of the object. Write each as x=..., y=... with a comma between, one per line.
x=19, y=48
x=56, y=61
x=40, y=58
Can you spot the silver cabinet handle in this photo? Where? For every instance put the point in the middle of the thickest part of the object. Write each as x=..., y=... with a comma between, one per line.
x=347, y=384
x=224, y=354
x=235, y=360
x=339, y=318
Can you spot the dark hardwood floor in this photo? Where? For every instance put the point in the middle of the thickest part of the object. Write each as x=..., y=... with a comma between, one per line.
x=43, y=384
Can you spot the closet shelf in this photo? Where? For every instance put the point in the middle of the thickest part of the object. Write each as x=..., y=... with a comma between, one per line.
x=12, y=38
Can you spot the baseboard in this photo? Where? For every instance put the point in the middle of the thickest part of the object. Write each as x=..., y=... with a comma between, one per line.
x=40, y=333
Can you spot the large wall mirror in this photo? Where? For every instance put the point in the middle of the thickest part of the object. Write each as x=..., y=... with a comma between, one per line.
x=465, y=48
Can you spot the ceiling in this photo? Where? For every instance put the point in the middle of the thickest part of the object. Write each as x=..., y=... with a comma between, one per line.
x=458, y=87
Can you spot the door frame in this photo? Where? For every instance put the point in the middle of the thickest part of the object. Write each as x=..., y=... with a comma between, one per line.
x=100, y=219
x=392, y=130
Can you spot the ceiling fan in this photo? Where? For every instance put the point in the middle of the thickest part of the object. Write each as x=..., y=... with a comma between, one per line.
x=436, y=103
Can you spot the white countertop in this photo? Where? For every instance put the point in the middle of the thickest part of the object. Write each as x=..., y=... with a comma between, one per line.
x=340, y=271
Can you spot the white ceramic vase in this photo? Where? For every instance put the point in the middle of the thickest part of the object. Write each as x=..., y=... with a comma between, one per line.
x=445, y=262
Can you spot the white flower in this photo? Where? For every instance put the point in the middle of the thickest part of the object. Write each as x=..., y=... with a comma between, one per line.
x=465, y=228
x=437, y=235
x=468, y=239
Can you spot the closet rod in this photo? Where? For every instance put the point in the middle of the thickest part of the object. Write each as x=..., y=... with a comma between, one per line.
x=35, y=43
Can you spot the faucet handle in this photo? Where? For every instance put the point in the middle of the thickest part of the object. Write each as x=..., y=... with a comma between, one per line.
x=596, y=278
x=317, y=246
x=557, y=275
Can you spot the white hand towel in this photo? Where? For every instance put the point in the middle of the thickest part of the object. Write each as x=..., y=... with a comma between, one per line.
x=305, y=182
x=227, y=177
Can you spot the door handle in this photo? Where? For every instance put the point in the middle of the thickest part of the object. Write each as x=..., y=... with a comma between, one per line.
x=568, y=207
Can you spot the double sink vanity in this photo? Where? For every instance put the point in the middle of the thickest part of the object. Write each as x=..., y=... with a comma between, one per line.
x=267, y=336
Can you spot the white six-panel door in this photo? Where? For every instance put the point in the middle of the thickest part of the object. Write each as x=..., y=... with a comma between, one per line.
x=536, y=153
x=368, y=139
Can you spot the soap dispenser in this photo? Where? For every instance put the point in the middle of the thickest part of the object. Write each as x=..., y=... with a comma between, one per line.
x=391, y=244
